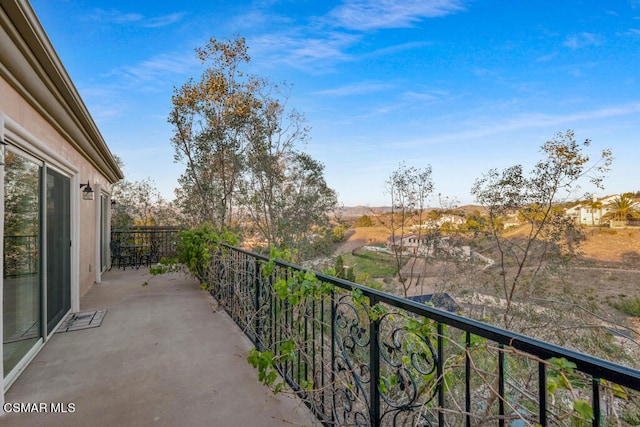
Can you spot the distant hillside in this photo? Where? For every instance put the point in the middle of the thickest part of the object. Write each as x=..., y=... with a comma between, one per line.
x=357, y=211
x=467, y=209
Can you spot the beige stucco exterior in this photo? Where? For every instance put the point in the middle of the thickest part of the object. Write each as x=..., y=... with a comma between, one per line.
x=16, y=109
x=42, y=115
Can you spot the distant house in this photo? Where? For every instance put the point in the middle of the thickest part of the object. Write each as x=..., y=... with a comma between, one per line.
x=590, y=213
x=454, y=220
x=417, y=244
x=511, y=222
x=426, y=246
x=57, y=175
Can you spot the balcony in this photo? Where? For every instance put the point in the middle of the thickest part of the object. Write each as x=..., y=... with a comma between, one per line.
x=165, y=354
x=168, y=354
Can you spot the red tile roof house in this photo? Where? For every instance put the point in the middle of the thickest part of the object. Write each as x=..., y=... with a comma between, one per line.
x=57, y=174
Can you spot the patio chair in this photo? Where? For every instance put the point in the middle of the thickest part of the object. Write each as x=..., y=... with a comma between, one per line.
x=151, y=255
x=118, y=256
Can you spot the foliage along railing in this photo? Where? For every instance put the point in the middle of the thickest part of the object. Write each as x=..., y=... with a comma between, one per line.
x=362, y=357
x=160, y=242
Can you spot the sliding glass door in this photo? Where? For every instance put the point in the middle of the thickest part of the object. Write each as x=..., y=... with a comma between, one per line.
x=58, y=244
x=22, y=318
x=36, y=256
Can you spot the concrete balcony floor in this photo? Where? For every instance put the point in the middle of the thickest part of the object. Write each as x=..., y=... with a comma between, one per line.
x=165, y=355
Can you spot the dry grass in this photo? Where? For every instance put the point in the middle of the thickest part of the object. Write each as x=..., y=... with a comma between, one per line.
x=609, y=265
x=613, y=246
x=361, y=236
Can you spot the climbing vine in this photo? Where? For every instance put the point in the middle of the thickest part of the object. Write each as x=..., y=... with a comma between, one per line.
x=318, y=337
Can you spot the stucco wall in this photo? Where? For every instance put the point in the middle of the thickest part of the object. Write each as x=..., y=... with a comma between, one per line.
x=16, y=108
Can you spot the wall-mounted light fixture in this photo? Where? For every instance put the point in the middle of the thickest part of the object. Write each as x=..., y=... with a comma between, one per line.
x=87, y=193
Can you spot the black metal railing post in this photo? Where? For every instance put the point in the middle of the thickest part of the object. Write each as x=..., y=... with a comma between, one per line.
x=440, y=373
x=334, y=310
x=374, y=369
x=542, y=393
x=595, y=384
x=501, y=380
x=467, y=379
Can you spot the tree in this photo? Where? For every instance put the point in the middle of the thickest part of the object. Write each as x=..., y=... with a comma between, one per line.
x=595, y=205
x=622, y=208
x=551, y=237
x=364, y=221
x=409, y=189
x=210, y=119
x=240, y=144
x=140, y=203
x=288, y=205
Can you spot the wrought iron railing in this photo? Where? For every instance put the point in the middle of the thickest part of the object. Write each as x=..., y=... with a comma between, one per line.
x=362, y=357
x=160, y=242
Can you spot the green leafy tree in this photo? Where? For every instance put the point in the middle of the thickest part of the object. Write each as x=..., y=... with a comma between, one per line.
x=339, y=267
x=364, y=221
x=288, y=200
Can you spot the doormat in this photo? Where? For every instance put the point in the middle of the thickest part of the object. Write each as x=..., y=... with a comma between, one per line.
x=86, y=320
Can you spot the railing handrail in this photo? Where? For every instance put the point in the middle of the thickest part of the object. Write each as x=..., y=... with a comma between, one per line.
x=591, y=365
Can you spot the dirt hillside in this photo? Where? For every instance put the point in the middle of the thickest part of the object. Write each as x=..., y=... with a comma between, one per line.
x=613, y=246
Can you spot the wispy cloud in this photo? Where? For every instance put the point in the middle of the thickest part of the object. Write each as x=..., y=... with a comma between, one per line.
x=102, y=113
x=577, y=41
x=425, y=97
x=389, y=50
x=363, y=88
x=547, y=58
x=257, y=18
x=367, y=15
x=312, y=54
x=157, y=70
x=319, y=44
x=113, y=16
x=161, y=21
x=528, y=121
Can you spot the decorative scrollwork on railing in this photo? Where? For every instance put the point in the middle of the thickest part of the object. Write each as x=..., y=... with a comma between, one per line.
x=350, y=363
x=408, y=379
x=360, y=358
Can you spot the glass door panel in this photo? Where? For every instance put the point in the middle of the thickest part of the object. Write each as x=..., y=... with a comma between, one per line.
x=22, y=326
x=58, y=231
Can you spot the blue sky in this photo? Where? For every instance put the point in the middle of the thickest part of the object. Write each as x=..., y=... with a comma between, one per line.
x=463, y=86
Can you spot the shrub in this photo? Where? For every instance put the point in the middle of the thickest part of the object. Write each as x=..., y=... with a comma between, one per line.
x=629, y=306
x=364, y=221
x=195, y=249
